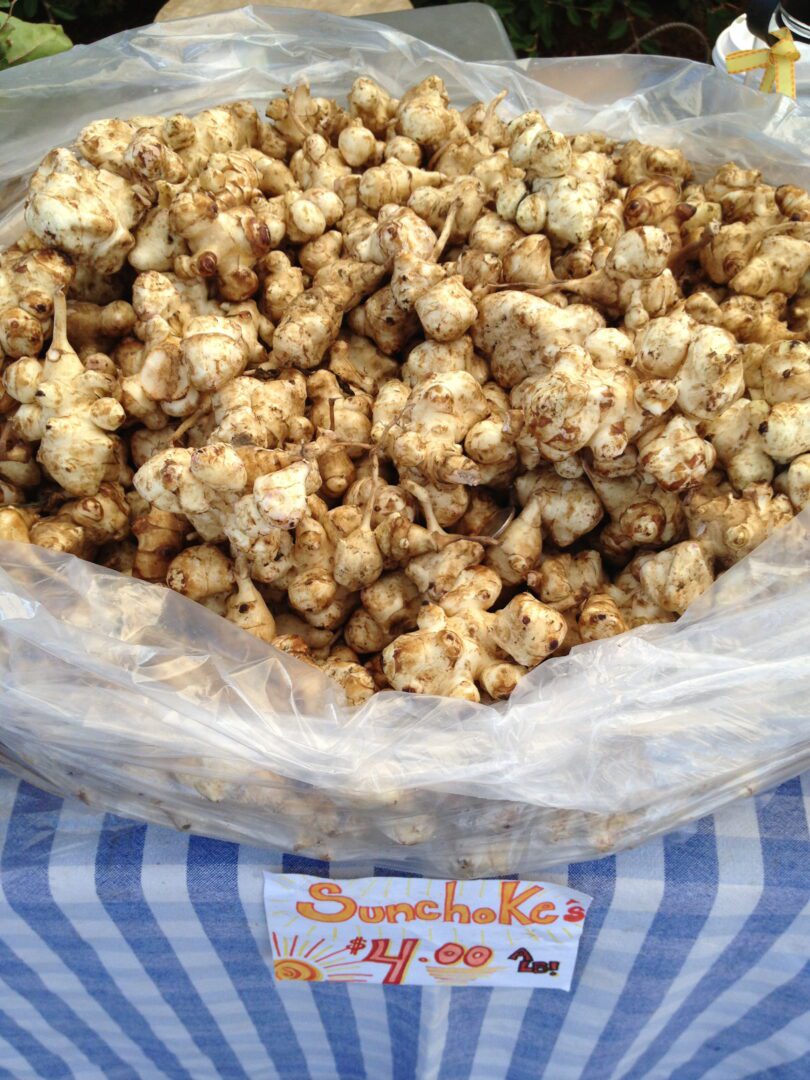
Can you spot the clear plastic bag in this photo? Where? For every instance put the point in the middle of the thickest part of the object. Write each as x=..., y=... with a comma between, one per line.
x=142, y=702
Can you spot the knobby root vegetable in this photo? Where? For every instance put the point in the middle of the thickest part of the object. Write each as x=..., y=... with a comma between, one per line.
x=81, y=526
x=160, y=536
x=455, y=655
x=672, y=579
x=565, y=581
x=28, y=283
x=86, y=213
x=730, y=526
x=71, y=410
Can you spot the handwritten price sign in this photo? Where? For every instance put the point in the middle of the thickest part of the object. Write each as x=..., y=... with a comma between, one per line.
x=420, y=932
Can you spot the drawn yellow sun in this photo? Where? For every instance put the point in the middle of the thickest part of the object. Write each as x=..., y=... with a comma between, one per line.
x=292, y=963
x=292, y=968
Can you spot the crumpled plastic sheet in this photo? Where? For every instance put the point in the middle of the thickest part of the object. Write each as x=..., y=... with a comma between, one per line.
x=142, y=702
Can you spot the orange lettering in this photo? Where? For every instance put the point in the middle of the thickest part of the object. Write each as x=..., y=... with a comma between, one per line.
x=483, y=915
x=329, y=891
x=450, y=908
x=392, y=910
x=371, y=914
x=536, y=917
x=422, y=910
x=510, y=903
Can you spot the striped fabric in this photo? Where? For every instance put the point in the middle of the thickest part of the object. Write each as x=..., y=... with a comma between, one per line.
x=130, y=952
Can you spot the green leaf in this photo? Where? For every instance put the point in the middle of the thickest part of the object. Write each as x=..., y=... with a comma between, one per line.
x=524, y=42
x=544, y=25
x=66, y=14
x=21, y=41
x=717, y=21
x=597, y=12
x=618, y=30
x=531, y=18
x=642, y=10
x=574, y=17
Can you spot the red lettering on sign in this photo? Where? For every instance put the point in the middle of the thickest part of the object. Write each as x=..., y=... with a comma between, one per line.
x=397, y=962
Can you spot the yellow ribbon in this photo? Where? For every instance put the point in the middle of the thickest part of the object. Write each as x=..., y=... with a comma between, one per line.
x=779, y=62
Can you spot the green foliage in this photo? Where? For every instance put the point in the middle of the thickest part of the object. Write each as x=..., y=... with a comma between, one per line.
x=528, y=21
x=60, y=10
x=549, y=26
x=717, y=16
x=30, y=29
x=21, y=41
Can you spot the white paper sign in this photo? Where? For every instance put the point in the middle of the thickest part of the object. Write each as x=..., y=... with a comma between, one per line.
x=423, y=932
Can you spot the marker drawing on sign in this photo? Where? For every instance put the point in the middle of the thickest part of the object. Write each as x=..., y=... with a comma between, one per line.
x=395, y=931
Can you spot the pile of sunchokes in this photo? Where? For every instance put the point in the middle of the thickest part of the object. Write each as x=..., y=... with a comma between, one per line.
x=419, y=396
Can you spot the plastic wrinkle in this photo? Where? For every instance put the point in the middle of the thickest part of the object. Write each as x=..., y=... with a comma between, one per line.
x=142, y=702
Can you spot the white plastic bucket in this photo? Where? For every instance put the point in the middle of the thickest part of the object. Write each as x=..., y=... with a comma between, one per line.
x=737, y=36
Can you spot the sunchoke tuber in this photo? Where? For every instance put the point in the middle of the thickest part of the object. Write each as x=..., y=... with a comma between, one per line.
x=71, y=410
x=29, y=281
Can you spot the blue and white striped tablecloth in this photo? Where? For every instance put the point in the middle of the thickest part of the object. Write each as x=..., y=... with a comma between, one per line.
x=134, y=953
